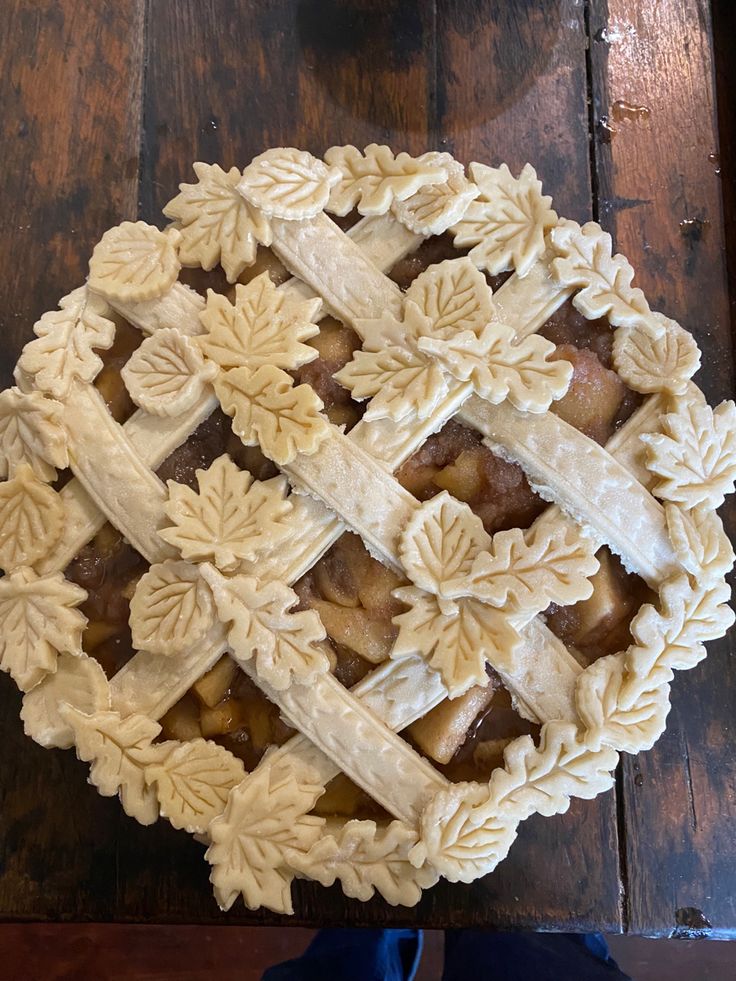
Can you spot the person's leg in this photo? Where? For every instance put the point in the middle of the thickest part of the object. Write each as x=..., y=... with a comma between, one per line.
x=354, y=955
x=487, y=956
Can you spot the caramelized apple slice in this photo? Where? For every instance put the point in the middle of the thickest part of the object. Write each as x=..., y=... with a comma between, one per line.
x=225, y=717
x=215, y=685
x=182, y=720
x=441, y=732
x=361, y=630
x=594, y=397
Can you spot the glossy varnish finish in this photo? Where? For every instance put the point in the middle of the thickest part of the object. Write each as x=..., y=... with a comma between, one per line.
x=105, y=111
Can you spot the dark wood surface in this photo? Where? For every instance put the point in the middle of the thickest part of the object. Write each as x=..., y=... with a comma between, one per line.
x=105, y=108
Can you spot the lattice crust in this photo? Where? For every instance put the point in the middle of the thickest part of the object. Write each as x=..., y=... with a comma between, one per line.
x=223, y=556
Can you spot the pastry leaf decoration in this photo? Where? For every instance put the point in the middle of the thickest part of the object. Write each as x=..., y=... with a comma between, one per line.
x=468, y=829
x=400, y=383
x=585, y=260
x=694, y=458
x=230, y=519
x=38, y=621
x=507, y=223
x=700, y=542
x=454, y=297
x=445, y=550
x=216, y=223
x=459, y=835
x=550, y=564
x=373, y=180
x=31, y=519
x=288, y=183
x=598, y=697
x=119, y=751
x=78, y=680
x=672, y=637
x=262, y=327
x=192, y=781
x=500, y=369
x=285, y=645
x=542, y=780
x=269, y=410
x=457, y=644
x=66, y=339
x=655, y=355
x=450, y=330
x=435, y=207
x=171, y=609
x=166, y=375
x=31, y=431
x=188, y=783
x=471, y=587
x=440, y=544
x=265, y=828
x=367, y=859
x=134, y=261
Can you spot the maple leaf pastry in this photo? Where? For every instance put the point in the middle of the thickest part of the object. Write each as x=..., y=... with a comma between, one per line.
x=350, y=554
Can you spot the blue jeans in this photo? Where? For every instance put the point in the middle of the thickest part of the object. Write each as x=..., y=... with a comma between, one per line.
x=394, y=955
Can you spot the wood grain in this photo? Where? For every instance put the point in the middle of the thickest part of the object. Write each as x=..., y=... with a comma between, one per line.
x=70, y=130
x=71, y=94
x=656, y=143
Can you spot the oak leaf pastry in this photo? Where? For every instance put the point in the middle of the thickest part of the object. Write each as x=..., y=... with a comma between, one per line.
x=353, y=567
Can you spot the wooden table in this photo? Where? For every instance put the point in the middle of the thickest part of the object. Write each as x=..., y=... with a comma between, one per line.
x=106, y=105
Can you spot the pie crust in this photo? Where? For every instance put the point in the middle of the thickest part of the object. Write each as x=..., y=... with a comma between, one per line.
x=225, y=554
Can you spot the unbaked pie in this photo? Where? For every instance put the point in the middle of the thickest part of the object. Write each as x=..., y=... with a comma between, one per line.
x=350, y=554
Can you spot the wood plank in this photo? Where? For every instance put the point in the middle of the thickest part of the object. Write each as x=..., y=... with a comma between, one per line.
x=660, y=194
x=71, y=91
x=70, y=124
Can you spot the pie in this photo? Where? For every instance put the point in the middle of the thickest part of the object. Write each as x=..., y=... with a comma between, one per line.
x=347, y=543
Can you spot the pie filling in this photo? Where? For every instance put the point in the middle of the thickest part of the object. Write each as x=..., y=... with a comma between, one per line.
x=352, y=592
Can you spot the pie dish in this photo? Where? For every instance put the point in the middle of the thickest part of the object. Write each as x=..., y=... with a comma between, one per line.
x=433, y=574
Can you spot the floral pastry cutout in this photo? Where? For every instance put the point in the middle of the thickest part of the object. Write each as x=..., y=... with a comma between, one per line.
x=217, y=600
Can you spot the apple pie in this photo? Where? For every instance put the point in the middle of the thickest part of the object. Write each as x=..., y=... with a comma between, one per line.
x=356, y=515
